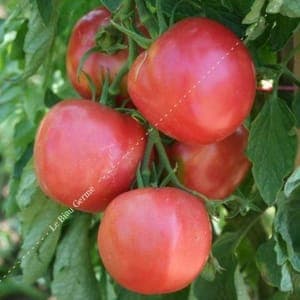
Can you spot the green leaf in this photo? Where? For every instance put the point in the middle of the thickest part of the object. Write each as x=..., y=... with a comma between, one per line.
x=272, y=148
x=45, y=8
x=73, y=275
x=28, y=186
x=280, y=249
x=292, y=184
x=223, y=287
x=286, y=284
x=10, y=205
x=13, y=288
x=39, y=39
x=40, y=241
x=282, y=32
x=112, y=5
x=17, y=52
x=254, y=15
x=50, y=98
x=256, y=29
x=287, y=224
x=24, y=134
x=266, y=261
x=289, y=8
x=240, y=285
x=123, y=294
x=280, y=296
x=296, y=108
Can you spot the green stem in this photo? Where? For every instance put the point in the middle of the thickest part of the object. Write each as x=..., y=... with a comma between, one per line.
x=139, y=39
x=147, y=18
x=291, y=75
x=105, y=88
x=292, y=53
x=247, y=229
x=124, y=10
x=148, y=152
x=115, y=85
x=154, y=134
x=145, y=168
x=139, y=178
x=162, y=24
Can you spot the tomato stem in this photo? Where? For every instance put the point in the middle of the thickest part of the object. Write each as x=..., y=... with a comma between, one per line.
x=115, y=85
x=104, y=99
x=145, y=167
x=147, y=19
x=139, y=178
x=154, y=134
x=162, y=24
x=124, y=10
x=138, y=38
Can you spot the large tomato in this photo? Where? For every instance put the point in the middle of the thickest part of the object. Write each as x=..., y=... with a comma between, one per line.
x=85, y=154
x=216, y=169
x=155, y=241
x=196, y=82
x=98, y=64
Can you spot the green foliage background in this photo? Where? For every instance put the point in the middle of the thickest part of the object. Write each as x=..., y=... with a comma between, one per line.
x=256, y=251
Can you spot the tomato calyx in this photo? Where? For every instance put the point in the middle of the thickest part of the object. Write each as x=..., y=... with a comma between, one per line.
x=109, y=40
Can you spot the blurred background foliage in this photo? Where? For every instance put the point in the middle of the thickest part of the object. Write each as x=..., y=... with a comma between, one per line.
x=261, y=263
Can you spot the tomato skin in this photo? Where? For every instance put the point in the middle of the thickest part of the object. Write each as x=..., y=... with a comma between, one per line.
x=84, y=148
x=98, y=64
x=196, y=82
x=214, y=170
x=155, y=240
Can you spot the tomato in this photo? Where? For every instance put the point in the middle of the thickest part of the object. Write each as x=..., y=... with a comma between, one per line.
x=196, y=82
x=214, y=170
x=85, y=154
x=98, y=64
x=155, y=240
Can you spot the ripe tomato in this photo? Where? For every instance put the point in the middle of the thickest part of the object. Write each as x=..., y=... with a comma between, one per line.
x=85, y=154
x=196, y=82
x=214, y=170
x=98, y=64
x=155, y=240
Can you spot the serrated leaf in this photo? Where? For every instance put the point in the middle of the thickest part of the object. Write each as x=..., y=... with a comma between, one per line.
x=289, y=8
x=38, y=39
x=73, y=275
x=272, y=148
x=10, y=205
x=255, y=12
x=28, y=186
x=266, y=261
x=287, y=224
x=36, y=219
x=24, y=134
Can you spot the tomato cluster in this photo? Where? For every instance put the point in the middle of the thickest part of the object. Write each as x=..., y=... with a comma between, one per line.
x=196, y=84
